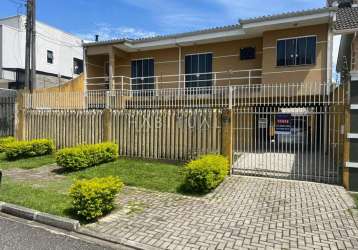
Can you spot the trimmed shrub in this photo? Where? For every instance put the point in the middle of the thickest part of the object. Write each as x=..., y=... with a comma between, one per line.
x=4, y=141
x=25, y=149
x=85, y=156
x=205, y=173
x=94, y=198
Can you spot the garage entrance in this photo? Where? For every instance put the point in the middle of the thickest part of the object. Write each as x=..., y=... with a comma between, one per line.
x=291, y=140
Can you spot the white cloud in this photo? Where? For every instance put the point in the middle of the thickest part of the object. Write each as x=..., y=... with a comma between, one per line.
x=108, y=32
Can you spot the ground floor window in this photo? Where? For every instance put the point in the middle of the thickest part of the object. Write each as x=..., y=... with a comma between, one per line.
x=198, y=70
x=142, y=74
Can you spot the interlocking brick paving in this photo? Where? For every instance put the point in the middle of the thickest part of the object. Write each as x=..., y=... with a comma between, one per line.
x=243, y=213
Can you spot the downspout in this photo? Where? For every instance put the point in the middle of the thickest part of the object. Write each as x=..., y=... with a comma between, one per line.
x=85, y=81
x=179, y=68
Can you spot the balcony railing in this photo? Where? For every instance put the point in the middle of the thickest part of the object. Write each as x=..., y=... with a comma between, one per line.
x=208, y=79
x=203, y=97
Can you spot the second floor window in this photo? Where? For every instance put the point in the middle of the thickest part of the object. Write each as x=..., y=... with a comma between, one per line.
x=142, y=74
x=77, y=66
x=50, y=57
x=296, y=51
x=198, y=70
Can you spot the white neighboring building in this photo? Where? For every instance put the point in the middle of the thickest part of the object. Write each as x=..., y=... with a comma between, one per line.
x=59, y=54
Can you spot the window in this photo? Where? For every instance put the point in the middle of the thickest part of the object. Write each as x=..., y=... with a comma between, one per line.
x=143, y=74
x=247, y=53
x=77, y=66
x=296, y=51
x=198, y=70
x=50, y=56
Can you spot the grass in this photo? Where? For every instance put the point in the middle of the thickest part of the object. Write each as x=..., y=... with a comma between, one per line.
x=52, y=196
x=355, y=196
x=29, y=163
x=36, y=198
x=152, y=175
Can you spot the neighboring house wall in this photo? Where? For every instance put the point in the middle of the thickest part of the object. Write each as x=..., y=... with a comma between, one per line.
x=226, y=57
x=65, y=48
x=354, y=56
x=75, y=85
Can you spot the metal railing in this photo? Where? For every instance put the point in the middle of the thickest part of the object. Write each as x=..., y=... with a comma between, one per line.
x=307, y=93
x=220, y=78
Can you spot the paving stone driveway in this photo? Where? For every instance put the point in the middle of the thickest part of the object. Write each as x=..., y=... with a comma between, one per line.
x=243, y=213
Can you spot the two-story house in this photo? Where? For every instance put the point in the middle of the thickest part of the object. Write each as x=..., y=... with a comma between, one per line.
x=291, y=47
x=59, y=54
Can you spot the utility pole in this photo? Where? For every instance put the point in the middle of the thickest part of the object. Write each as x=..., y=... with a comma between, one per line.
x=33, y=49
x=28, y=44
x=30, y=53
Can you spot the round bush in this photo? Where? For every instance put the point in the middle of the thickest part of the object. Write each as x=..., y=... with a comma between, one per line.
x=205, y=174
x=95, y=197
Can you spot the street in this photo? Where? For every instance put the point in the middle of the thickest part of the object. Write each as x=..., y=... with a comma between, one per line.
x=20, y=234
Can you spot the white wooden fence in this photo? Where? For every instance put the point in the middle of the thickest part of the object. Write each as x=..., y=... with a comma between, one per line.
x=157, y=134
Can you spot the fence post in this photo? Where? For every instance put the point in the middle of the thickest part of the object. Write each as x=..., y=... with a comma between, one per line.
x=20, y=125
x=227, y=134
x=107, y=125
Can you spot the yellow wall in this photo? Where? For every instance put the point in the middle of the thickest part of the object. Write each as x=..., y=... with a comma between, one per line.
x=295, y=74
x=75, y=85
x=226, y=57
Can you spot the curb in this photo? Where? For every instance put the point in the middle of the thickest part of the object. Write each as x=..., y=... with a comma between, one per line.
x=44, y=218
x=127, y=243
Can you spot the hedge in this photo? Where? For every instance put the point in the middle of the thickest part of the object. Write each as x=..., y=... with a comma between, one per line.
x=94, y=198
x=205, y=173
x=25, y=149
x=85, y=156
x=4, y=141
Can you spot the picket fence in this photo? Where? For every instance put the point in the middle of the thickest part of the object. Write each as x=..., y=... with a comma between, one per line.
x=154, y=134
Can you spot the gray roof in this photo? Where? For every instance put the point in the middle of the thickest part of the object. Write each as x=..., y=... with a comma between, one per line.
x=216, y=29
x=284, y=15
x=347, y=19
x=161, y=37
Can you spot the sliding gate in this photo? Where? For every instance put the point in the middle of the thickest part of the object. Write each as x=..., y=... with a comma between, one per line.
x=291, y=139
x=7, y=112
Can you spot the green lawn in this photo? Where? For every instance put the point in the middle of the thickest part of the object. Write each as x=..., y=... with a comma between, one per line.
x=52, y=196
x=34, y=162
x=356, y=199
x=152, y=175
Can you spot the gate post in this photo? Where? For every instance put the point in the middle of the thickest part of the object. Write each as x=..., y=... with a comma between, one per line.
x=20, y=117
x=107, y=125
x=227, y=135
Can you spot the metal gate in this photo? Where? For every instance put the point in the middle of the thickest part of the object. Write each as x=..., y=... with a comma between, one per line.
x=292, y=138
x=7, y=112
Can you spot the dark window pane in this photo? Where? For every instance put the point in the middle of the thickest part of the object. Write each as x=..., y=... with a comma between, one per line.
x=77, y=66
x=247, y=53
x=281, y=52
x=196, y=69
x=209, y=68
x=202, y=69
x=151, y=73
x=145, y=74
x=142, y=72
x=291, y=52
x=188, y=67
x=301, y=51
x=50, y=56
x=311, y=50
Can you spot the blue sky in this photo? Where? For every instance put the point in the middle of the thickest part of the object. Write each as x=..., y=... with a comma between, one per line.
x=138, y=18
x=141, y=18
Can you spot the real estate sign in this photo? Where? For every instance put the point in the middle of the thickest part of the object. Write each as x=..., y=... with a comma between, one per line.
x=283, y=124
